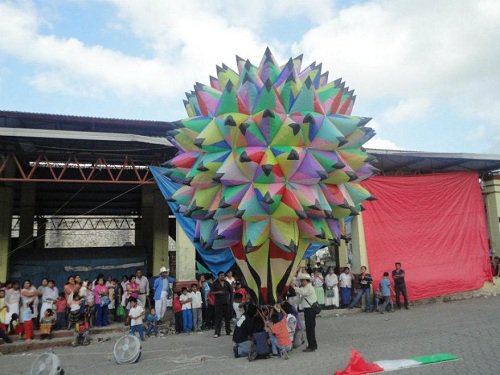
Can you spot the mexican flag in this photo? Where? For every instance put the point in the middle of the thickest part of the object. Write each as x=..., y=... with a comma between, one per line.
x=358, y=366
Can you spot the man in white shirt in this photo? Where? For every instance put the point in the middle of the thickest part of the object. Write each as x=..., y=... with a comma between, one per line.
x=143, y=286
x=196, y=303
x=136, y=315
x=308, y=298
x=345, y=282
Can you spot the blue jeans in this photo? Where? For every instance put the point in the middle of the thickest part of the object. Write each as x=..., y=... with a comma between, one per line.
x=244, y=348
x=152, y=327
x=187, y=320
x=101, y=319
x=137, y=328
x=361, y=292
x=276, y=347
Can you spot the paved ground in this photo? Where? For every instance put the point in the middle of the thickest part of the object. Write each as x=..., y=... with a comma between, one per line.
x=469, y=329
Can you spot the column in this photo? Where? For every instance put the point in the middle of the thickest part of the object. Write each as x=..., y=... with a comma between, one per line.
x=27, y=214
x=40, y=233
x=185, y=256
x=343, y=259
x=6, y=197
x=492, y=199
x=360, y=257
x=146, y=224
x=160, y=232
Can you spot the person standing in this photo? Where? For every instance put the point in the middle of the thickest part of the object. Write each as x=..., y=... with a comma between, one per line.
x=187, y=313
x=345, y=281
x=398, y=275
x=48, y=297
x=365, y=282
x=12, y=300
x=101, y=301
x=196, y=303
x=385, y=291
x=222, y=291
x=308, y=298
x=318, y=282
x=162, y=287
x=136, y=315
x=332, y=290
x=29, y=299
x=143, y=283
x=204, y=288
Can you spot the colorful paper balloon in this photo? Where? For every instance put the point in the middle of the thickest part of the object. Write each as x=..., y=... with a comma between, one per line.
x=270, y=159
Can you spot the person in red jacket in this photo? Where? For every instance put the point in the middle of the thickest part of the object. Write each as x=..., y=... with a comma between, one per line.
x=177, y=307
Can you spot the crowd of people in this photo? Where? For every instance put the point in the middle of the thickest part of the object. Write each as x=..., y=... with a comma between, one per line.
x=142, y=303
x=79, y=305
x=343, y=289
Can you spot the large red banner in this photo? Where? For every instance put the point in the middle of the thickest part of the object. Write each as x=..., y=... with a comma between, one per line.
x=435, y=225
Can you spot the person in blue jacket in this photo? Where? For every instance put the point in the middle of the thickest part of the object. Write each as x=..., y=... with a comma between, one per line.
x=162, y=287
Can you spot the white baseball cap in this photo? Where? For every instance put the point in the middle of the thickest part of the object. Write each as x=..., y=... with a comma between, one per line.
x=163, y=269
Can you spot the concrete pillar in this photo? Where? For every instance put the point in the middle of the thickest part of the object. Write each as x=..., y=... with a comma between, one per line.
x=185, y=258
x=343, y=259
x=146, y=225
x=138, y=232
x=27, y=214
x=160, y=232
x=492, y=199
x=40, y=233
x=6, y=198
x=360, y=257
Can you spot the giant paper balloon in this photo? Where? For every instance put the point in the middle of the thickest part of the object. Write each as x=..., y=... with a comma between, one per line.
x=270, y=159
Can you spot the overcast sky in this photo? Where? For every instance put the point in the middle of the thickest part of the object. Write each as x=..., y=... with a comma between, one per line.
x=428, y=72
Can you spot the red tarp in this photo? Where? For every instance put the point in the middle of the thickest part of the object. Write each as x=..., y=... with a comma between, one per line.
x=434, y=225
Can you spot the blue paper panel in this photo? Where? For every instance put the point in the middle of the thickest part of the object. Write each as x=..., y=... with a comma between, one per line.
x=216, y=259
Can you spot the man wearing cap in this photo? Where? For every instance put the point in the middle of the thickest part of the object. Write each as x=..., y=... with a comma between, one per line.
x=143, y=286
x=308, y=297
x=162, y=287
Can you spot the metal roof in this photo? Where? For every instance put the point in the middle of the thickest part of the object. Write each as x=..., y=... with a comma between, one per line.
x=72, y=133
x=398, y=161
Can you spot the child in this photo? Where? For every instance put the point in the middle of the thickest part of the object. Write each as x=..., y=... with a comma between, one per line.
x=278, y=333
x=81, y=334
x=187, y=314
x=152, y=323
x=46, y=324
x=61, y=305
x=238, y=305
x=295, y=325
x=385, y=290
x=26, y=316
x=15, y=328
x=136, y=314
x=177, y=307
x=260, y=341
x=196, y=307
x=74, y=311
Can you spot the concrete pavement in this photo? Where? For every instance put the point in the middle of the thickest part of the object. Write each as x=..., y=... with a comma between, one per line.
x=469, y=329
